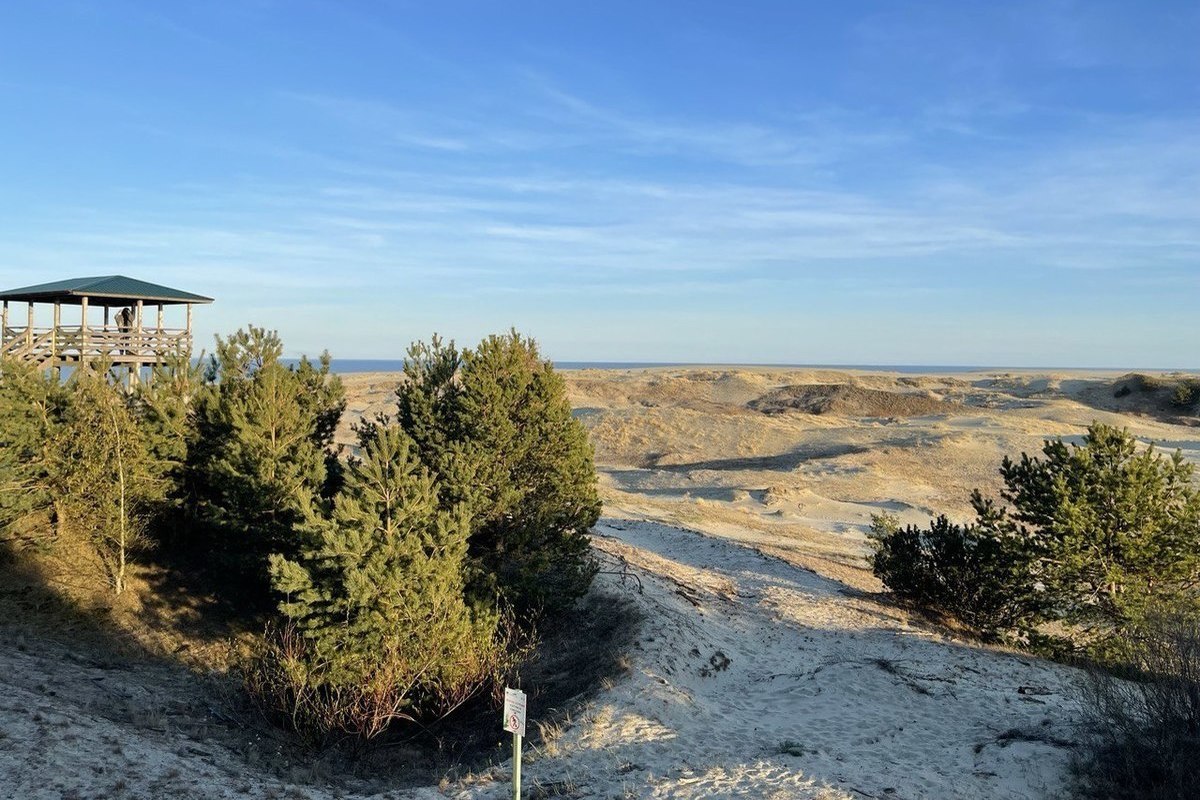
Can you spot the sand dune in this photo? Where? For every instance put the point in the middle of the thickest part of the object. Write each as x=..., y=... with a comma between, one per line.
x=848, y=400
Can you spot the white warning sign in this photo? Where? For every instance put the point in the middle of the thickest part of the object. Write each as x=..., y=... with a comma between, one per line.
x=514, y=711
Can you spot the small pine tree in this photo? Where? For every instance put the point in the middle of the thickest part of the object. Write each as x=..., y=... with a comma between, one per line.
x=323, y=397
x=1114, y=528
x=31, y=409
x=259, y=459
x=164, y=411
x=427, y=410
x=377, y=595
x=1098, y=535
x=104, y=473
x=495, y=425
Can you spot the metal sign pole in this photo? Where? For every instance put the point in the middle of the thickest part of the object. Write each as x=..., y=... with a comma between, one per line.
x=516, y=766
x=515, y=704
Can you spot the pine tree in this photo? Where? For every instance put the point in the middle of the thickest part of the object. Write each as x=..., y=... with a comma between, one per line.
x=975, y=573
x=259, y=460
x=1099, y=535
x=495, y=425
x=104, y=473
x=377, y=593
x=262, y=468
x=323, y=397
x=164, y=411
x=31, y=409
x=1114, y=528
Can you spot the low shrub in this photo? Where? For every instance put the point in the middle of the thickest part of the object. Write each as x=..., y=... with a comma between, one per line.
x=1185, y=394
x=1096, y=533
x=293, y=687
x=973, y=574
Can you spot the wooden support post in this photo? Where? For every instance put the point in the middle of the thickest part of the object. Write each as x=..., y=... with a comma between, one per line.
x=4, y=326
x=160, y=317
x=136, y=367
x=83, y=331
x=54, y=336
x=29, y=328
x=106, y=310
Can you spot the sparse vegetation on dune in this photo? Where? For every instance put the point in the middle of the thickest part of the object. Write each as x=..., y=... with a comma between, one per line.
x=1143, y=735
x=851, y=401
x=1174, y=397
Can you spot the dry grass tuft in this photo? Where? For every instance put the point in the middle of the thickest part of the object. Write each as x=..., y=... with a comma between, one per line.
x=1145, y=730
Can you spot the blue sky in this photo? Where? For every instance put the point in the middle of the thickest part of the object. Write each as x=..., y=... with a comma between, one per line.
x=802, y=182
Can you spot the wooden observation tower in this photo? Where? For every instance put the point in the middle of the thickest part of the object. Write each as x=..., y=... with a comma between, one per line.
x=95, y=334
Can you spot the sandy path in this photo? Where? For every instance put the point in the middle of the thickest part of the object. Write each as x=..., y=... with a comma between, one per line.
x=756, y=678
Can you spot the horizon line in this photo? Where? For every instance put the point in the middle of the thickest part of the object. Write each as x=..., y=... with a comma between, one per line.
x=630, y=364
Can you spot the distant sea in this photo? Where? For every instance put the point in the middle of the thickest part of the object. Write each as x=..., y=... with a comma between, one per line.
x=351, y=365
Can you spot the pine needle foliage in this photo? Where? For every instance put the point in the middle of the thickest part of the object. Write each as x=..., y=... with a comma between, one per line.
x=1098, y=535
x=163, y=407
x=31, y=409
x=971, y=572
x=495, y=426
x=1114, y=528
x=260, y=457
x=376, y=599
x=103, y=473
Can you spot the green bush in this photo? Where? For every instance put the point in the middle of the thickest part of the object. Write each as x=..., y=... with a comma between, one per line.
x=377, y=629
x=971, y=573
x=495, y=426
x=1185, y=394
x=1096, y=534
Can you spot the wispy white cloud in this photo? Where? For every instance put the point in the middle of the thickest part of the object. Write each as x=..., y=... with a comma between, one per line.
x=941, y=154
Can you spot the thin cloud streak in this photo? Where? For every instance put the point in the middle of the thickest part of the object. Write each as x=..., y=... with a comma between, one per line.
x=927, y=156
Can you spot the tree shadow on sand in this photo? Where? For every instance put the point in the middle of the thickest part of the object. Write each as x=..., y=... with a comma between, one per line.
x=783, y=462
x=82, y=649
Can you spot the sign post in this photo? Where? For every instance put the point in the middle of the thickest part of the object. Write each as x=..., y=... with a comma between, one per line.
x=514, y=722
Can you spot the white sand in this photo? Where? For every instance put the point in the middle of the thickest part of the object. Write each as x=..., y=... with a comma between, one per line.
x=823, y=695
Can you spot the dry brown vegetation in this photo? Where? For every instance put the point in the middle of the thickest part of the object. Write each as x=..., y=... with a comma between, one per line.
x=851, y=401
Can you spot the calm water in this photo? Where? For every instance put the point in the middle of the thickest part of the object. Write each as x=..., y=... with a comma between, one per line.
x=350, y=365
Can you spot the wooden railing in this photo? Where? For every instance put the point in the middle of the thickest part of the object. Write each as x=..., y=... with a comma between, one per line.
x=25, y=341
x=73, y=344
